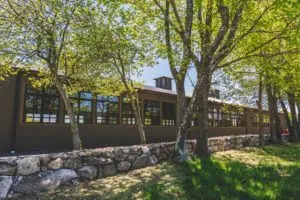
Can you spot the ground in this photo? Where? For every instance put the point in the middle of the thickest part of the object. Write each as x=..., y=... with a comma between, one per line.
x=270, y=172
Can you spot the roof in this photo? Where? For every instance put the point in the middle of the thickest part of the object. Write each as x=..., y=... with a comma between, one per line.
x=158, y=90
x=172, y=92
x=163, y=77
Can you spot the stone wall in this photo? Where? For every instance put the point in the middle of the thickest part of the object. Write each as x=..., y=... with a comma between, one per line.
x=21, y=175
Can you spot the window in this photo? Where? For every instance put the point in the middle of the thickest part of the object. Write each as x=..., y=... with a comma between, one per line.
x=128, y=117
x=152, y=112
x=41, y=105
x=219, y=118
x=168, y=114
x=214, y=117
x=238, y=118
x=266, y=120
x=82, y=107
x=107, y=110
x=226, y=119
x=255, y=120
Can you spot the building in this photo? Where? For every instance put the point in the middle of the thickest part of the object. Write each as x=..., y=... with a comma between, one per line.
x=34, y=119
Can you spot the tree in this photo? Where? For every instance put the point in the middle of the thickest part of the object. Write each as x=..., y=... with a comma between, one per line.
x=123, y=53
x=215, y=35
x=40, y=34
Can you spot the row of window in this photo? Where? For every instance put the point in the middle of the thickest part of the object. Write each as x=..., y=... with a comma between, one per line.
x=220, y=118
x=255, y=120
x=42, y=106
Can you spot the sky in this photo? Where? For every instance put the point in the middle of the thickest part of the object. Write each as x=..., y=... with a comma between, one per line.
x=162, y=69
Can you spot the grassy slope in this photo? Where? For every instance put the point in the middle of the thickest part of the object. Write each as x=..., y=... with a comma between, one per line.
x=271, y=172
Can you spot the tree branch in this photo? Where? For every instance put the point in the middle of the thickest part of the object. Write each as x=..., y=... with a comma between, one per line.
x=265, y=55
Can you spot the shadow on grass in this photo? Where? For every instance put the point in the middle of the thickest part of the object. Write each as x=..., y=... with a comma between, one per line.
x=207, y=178
x=121, y=187
x=289, y=151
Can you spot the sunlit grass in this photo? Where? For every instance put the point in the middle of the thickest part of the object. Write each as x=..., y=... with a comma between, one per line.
x=270, y=172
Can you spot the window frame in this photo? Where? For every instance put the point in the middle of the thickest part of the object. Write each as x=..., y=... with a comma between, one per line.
x=78, y=99
x=42, y=95
x=129, y=117
x=168, y=120
x=157, y=118
x=108, y=114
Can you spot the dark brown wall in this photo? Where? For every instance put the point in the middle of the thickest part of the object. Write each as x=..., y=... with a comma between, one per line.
x=48, y=137
x=7, y=93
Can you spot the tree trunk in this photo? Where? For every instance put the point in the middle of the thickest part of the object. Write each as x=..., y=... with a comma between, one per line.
x=271, y=114
x=278, y=127
x=182, y=127
x=260, y=113
x=68, y=106
x=298, y=108
x=293, y=134
x=286, y=114
x=202, y=105
x=137, y=113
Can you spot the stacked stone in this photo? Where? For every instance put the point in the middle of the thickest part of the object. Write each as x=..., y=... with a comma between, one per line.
x=30, y=174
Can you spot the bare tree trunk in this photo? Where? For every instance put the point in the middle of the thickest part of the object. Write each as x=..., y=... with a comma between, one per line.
x=133, y=96
x=74, y=126
x=260, y=113
x=298, y=108
x=293, y=134
x=202, y=104
x=180, y=144
x=278, y=127
x=286, y=114
x=137, y=113
x=271, y=114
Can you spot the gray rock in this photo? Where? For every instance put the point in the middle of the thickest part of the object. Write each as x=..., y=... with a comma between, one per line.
x=7, y=170
x=109, y=170
x=119, y=155
x=152, y=160
x=44, y=160
x=145, y=149
x=43, y=181
x=28, y=165
x=56, y=164
x=87, y=172
x=9, y=160
x=73, y=163
x=140, y=162
x=100, y=172
x=97, y=161
x=163, y=156
x=131, y=158
x=44, y=168
x=5, y=184
x=136, y=151
x=124, y=166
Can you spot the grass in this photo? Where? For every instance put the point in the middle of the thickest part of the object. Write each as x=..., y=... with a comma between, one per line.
x=270, y=172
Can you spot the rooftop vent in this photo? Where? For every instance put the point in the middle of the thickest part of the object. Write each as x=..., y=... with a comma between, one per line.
x=163, y=82
x=214, y=93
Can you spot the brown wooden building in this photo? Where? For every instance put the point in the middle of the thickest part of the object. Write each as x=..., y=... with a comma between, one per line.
x=34, y=119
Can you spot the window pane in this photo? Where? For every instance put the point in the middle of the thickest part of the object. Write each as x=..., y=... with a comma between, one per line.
x=33, y=105
x=85, y=111
x=107, y=109
x=50, y=108
x=82, y=109
x=86, y=95
x=152, y=112
x=168, y=114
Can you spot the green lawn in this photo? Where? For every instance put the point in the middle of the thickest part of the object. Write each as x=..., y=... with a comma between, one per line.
x=270, y=172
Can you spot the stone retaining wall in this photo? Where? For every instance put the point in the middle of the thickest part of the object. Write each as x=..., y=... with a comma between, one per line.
x=21, y=175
